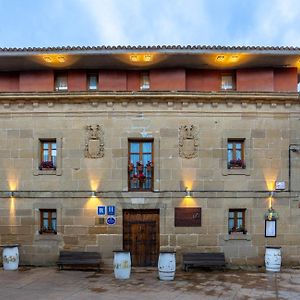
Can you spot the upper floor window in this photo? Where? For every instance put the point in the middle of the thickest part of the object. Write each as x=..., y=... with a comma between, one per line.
x=61, y=82
x=92, y=82
x=236, y=154
x=48, y=155
x=236, y=220
x=140, y=165
x=48, y=221
x=227, y=82
x=144, y=81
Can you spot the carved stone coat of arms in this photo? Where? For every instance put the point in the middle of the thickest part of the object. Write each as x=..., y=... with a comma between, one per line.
x=188, y=141
x=94, y=146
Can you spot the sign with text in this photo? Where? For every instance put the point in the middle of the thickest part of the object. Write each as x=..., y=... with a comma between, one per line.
x=101, y=210
x=111, y=210
x=187, y=216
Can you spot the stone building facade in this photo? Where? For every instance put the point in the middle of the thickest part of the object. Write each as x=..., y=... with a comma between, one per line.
x=215, y=129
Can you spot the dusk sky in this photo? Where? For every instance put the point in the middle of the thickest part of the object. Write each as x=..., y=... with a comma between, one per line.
x=45, y=23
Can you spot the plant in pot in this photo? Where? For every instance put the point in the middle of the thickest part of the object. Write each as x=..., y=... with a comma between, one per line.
x=236, y=164
x=47, y=165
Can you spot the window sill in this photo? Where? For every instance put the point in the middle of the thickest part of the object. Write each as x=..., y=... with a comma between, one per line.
x=236, y=171
x=237, y=236
x=48, y=172
x=47, y=237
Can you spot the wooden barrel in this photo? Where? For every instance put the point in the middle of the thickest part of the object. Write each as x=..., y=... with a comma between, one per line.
x=10, y=257
x=122, y=264
x=166, y=265
x=273, y=259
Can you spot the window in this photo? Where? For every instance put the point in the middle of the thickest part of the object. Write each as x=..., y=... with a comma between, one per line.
x=235, y=154
x=227, y=82
x=236, y=220
x=61, y=82
x=92, y=81
x=48, y=155
x=48, y=221
x=144, y=81
x=140, y=165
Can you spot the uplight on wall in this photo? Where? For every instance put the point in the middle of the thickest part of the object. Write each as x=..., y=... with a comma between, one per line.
x=187, y=192
x=93, y=195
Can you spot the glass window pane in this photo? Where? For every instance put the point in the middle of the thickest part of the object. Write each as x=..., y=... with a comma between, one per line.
x=227, y=82
x=53, y=224
x=231, y=214
x=45, y=214
x=45, y=223
x=230, y=146
x=240, y=214
x=238, y=155
x=238, y=146
x=147, y=147
x=239, y=223
x=135, y=147
x=230, y=224
x=92, y=82
x=229, y=155
x=147, y=158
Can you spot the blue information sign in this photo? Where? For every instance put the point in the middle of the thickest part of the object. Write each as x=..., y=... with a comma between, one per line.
x=101, y=210
x=111, y=221
x=111, y=210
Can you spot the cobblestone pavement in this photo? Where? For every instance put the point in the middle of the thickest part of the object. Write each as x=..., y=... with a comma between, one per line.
x=49, y=283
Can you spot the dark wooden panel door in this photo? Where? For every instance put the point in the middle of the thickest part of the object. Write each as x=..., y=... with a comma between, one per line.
x=141, y=236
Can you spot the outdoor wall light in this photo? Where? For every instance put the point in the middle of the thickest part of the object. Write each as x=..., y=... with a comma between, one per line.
x=187, y=192
x=271, y=193
x=11, y=194
x=93, y=194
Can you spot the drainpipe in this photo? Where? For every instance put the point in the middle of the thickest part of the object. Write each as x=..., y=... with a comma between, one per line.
x=292, y=148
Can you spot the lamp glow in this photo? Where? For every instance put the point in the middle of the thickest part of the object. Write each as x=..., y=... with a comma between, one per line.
x=187, y=192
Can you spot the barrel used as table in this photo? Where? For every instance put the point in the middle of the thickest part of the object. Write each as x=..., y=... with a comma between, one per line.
x=10, y=257
x=167, y=265
x=122, y=264
x=273, y=259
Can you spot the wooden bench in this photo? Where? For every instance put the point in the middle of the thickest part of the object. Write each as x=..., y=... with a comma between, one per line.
x=79, y=260
x=195, y=259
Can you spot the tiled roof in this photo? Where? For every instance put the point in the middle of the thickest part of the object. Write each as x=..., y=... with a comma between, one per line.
x=153, y=48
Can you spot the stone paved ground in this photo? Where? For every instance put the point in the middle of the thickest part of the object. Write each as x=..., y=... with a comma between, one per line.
x=49, y=283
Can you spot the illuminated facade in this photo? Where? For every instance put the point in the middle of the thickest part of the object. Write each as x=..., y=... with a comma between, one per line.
x=150, y=148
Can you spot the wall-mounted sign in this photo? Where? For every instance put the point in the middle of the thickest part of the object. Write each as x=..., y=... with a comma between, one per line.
x=101, y=210
x=187, y=216
x=280, y=185
x=111, y=221
x=270, y=228
x=111, y=210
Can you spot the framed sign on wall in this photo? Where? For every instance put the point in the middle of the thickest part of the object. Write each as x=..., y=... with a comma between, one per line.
x=187, y=216
x=270, y=228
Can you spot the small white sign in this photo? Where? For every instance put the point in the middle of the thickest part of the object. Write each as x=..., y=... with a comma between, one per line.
x=280, y=185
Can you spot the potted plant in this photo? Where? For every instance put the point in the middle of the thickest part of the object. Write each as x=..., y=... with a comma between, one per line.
x=140, y=166
x=131, y=167
x=47, y=165
x=135, y=178
x=142, y=178
x=236, y=163
x=149, y=166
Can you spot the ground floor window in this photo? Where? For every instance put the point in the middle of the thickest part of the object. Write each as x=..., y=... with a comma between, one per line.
x=236, y=220
x=48, y=221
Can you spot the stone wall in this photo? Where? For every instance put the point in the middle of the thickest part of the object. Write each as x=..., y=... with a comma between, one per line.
x=269, y=124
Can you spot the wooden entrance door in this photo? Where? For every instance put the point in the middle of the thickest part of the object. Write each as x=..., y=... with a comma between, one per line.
x=141, y=236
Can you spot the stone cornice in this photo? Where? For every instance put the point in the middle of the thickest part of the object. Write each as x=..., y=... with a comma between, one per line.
x=79, y=97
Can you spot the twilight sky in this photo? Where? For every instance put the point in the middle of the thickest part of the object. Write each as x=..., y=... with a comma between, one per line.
x=43, y=23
